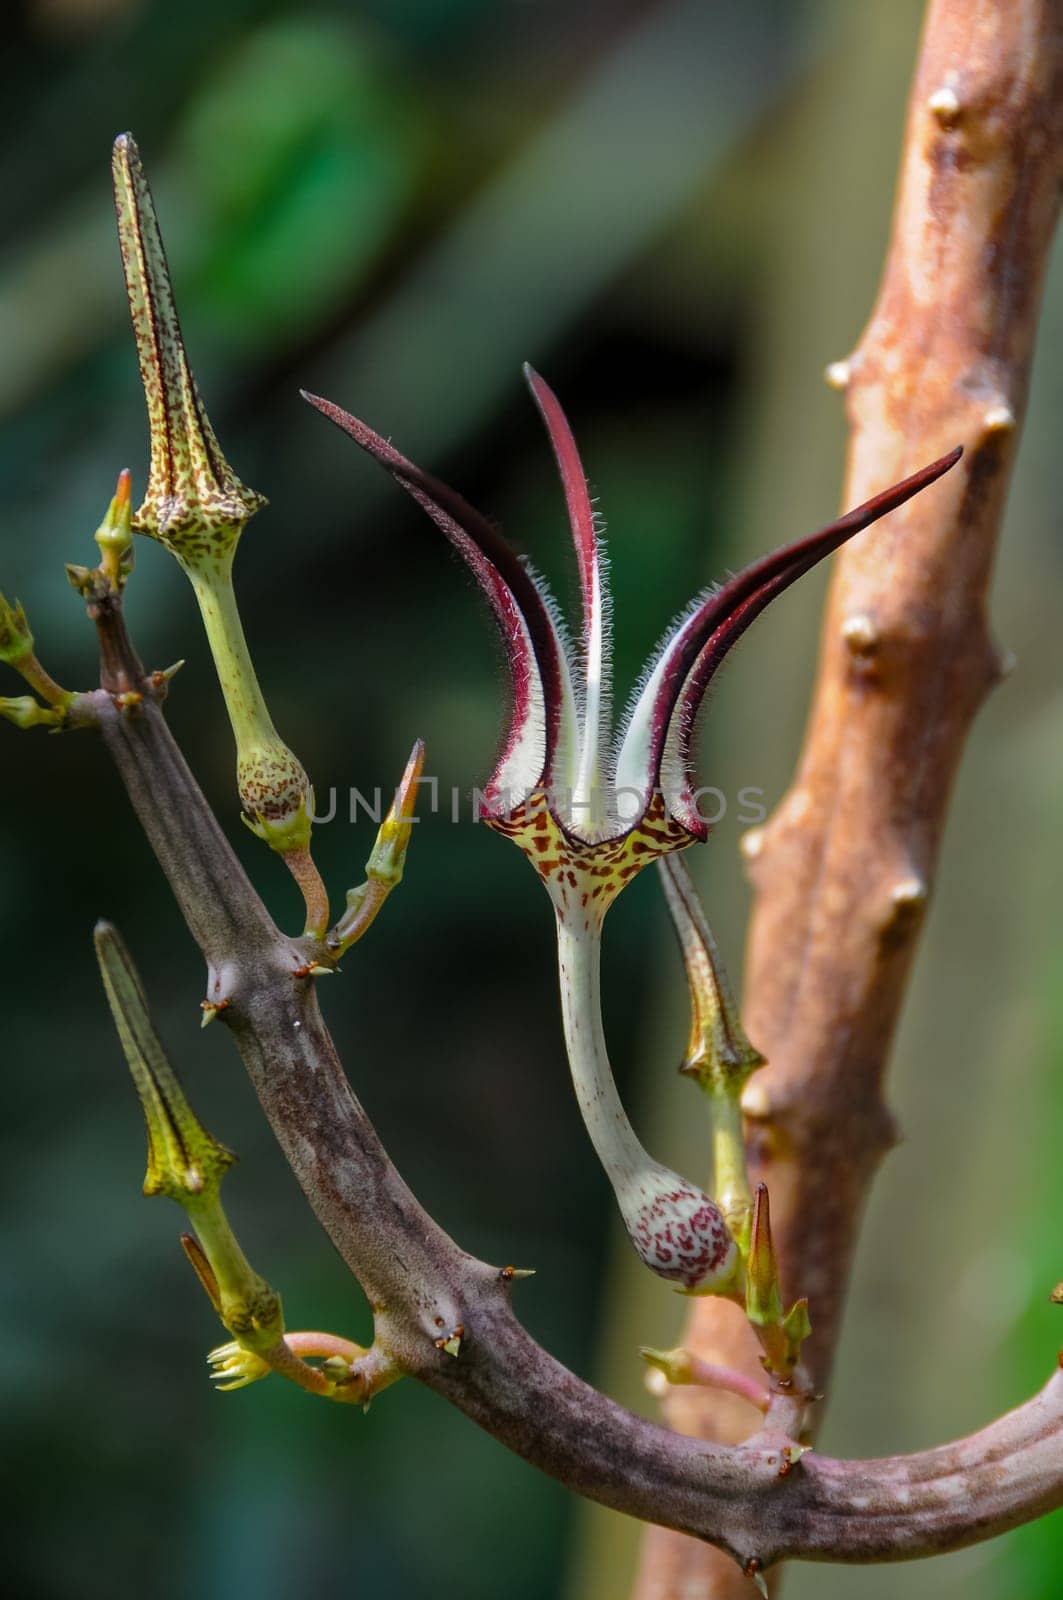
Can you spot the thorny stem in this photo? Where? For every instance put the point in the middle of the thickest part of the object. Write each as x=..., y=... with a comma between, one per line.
x=420, y=1282
x=843, y=871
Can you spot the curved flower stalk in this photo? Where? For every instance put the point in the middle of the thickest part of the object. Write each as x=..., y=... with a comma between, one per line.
x=590, y=814
x=197, y=507
x=187, y=1164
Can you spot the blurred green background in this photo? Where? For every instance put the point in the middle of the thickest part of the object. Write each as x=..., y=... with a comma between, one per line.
x=677, y=211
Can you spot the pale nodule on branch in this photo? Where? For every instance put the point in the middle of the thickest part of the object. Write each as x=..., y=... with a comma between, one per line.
x=439, y=1314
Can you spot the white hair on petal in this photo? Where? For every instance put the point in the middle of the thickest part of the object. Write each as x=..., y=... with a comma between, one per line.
x=521, y=768
x=567, y=754
x=631, y=749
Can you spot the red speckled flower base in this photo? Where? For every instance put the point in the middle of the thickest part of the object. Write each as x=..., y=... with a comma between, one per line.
x=583, y=878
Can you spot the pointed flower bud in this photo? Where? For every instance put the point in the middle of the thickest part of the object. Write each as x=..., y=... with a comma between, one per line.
x=763, y=1303
x=233, y=1367
x=26, y=712
x=797, y=1325
x=719, y=1056
x=185, y=1162
x=16, y=640
x=197, y=507
x=718, y=1051
x=387, y=859
x=781, y=1336
x=682, y=1366
x=195, y=503
x=115, y=533
x=16, y=650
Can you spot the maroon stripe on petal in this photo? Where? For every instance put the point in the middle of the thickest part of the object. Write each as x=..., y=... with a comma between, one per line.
x=705, y=638
x=504, y=580
x=574, y=482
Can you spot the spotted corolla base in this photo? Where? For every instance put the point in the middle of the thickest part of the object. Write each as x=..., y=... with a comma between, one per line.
x=680, y=1234
x=583, y=877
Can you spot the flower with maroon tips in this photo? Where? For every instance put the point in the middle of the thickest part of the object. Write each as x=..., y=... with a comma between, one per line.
x=589, y=812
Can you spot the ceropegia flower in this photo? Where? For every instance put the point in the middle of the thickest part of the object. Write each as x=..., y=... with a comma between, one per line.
x=590, y=812
x=197, y=507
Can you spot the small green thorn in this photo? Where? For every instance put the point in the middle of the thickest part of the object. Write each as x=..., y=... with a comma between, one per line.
x=752, y=1569
x=211, y=1009
x=450, y=1343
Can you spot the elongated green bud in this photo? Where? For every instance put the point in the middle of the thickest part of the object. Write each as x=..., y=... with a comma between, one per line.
x=719, y=1056
x=197, y=507
x=387, y=860
x=763, y=1303
x=185, y=1162
x=115, y=533
x=16, y=650
x=26, y=712
x=16, y=640
x=781, y=1335
x=195, y=504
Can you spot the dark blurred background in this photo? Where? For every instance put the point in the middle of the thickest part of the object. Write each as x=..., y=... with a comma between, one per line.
x=677, y=211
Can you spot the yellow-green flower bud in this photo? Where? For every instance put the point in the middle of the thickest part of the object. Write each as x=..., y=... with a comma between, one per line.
x=16, y=640
x=115, y=533
x=185, y=1162
x=26, y=712
x=197, y=507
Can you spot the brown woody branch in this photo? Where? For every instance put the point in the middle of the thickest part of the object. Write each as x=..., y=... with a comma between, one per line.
x=843, y=871
x=748, y=1500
